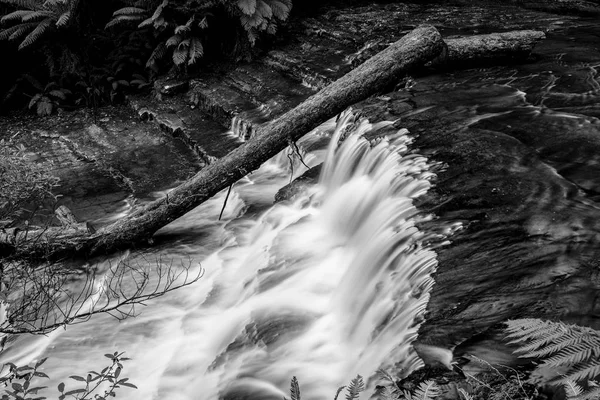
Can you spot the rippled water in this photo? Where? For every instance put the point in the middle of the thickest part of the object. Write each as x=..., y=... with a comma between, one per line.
x=325, y=286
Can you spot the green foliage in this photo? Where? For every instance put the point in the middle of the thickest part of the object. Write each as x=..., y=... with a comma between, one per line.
x=18, y=381
x=34, y=19
x=571, y=347
x=21, y=182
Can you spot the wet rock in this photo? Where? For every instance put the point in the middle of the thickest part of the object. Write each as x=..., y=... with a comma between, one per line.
x=170, y=87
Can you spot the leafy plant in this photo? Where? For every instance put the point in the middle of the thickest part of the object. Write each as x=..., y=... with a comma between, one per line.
x=50, y=96
x=20, y=380
x=35, y=18
x=575, y=348
x=183, y=25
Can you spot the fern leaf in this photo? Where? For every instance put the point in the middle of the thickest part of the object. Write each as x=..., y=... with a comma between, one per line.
x=159, y=52
x=526, y=329
x=36, y=33
x=356, y=386
x=574, y=354
x=16, y=15
x=580, y=372
x=23, y=28
x=572, y=389
x=15, y=31
x=337, y=393
x=36, y=15
x=427, y=390
x=196, y=50
x=184, y=28
x=180, y=55
x=146, y=22
x=590, y=394
x=173, y=40
x=122, y=18
x=248, y=7
x=264, y=9
x=203, y=24
x=64, y=19
x=159, y=10
x=281, y=10
x=294, y=389
x=129, y=11
x=389, y=392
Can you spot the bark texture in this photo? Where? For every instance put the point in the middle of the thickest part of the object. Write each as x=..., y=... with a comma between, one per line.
x=492, y=47
x=412, y=51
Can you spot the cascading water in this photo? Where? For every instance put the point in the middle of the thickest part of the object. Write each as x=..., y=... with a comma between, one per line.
x=324, y=287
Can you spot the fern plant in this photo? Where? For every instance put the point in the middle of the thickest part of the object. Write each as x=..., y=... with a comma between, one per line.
x=559, y=345
x=35, y=18
x=181, y=26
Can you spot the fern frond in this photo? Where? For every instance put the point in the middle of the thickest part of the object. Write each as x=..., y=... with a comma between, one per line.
x=575, y=354
x=159, y=10
x=281, y=9
x=21, y=29
x=389, y=392
x=427, y=390
x=294, y=389
x=173, y=40
x=526, y=329
x=184, y=28
x=590, y=394
x=8, y=32
x=264, y=9
x=196, y=50
x=16, y=15
x=36, y=33
x=580, y=372
x=248, y=7
x=129, y=11
x=159, y=52
x=64, y=19
x=33, y=15
x=180, y=55
x=562, y=345
x=572, y=389
x=356, y=386
x=146, y=22
x=337, y=393
x=122, y=18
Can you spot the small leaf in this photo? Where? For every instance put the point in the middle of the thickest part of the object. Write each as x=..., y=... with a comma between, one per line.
x=77, y=378
x=40, y=362
x=131, y=385
x=75, y=391
x=61, y=387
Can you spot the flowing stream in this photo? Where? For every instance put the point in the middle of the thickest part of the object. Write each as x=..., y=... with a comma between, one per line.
x=323, y=287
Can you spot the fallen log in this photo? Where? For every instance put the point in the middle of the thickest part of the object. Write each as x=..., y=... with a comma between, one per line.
x=379, y=72
x=493, y=47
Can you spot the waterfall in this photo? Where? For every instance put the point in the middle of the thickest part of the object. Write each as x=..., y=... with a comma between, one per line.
x=323, y=287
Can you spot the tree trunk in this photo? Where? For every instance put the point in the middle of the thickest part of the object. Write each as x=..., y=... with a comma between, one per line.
x=493, y=47
x=376, y=74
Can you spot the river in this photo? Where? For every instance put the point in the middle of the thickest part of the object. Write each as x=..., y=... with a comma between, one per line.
x=327, y=285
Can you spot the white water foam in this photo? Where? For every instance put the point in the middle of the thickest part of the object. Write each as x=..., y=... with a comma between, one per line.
x=323, y=288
